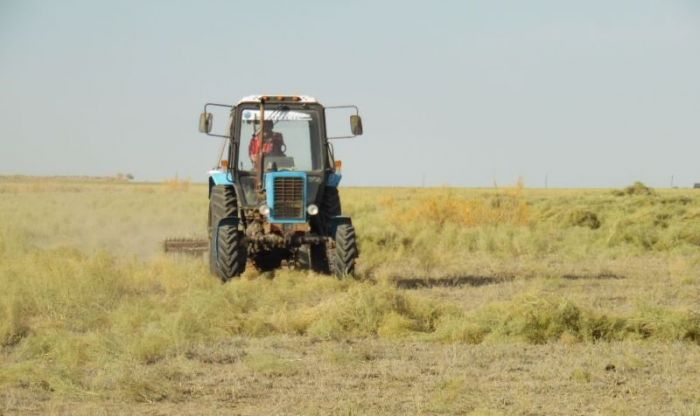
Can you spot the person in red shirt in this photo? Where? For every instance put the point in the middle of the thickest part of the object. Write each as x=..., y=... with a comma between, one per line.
x=272, y=143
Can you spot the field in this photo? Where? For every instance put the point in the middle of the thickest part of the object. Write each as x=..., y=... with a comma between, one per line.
x=467, y=301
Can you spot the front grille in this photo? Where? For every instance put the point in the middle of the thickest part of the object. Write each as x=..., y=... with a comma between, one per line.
x=288, y=198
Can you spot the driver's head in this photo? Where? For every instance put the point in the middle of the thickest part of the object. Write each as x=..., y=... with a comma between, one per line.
x=268, y=125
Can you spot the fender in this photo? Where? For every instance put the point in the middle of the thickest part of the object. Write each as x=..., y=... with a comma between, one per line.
x=220, y=178
x=217, y=177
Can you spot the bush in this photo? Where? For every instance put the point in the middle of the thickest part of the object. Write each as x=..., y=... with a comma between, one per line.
x=445, y=207
x=636, y=188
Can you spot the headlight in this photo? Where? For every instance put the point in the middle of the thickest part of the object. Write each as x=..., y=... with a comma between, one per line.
x=264, y=210
x=312, y=209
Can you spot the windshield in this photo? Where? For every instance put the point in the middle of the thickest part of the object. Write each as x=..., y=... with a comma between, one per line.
x=291, y=139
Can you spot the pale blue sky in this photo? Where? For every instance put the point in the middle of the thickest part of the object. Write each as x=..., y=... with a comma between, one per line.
x=592, y=93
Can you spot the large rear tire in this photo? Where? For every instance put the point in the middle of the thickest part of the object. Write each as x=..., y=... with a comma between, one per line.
x=212, y=244
x=342, y=258
x=227, y=246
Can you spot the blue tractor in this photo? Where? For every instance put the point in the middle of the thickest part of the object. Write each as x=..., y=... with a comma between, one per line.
x=273, y=199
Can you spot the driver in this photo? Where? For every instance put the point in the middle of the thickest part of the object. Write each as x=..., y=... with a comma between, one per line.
x=272, y=143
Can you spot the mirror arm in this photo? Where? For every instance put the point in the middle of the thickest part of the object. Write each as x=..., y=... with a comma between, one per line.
x=357, y=110
x=340, y=137
x=218, y=135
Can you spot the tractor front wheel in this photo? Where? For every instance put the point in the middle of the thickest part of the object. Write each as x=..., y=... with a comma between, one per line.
x=227, y=247
x=231, y=252
x=342, y=257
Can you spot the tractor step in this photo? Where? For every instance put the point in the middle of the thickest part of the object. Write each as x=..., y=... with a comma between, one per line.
x=193, y=246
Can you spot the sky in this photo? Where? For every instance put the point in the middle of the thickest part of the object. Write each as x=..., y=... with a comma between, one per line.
x=452, y=93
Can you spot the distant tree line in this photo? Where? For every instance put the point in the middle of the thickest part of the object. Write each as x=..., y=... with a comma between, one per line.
x=125, y=177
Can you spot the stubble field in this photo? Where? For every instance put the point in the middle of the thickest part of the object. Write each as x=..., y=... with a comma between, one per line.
x=468, y=301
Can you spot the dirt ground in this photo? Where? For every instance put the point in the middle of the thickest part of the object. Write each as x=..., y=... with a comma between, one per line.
x=293, y=375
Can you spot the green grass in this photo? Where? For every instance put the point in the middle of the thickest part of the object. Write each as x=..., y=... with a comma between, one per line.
x=93, y=315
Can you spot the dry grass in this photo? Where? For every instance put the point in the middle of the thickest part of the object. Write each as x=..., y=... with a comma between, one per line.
x=178, y=185
x=481, y=301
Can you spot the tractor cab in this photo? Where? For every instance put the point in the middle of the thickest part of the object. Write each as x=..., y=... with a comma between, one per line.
x=284, y=144
x=281, y=177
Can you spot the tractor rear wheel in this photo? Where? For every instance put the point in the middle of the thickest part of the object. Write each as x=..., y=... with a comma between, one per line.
x=227, y=247
x=342, y=257
x=212, y=255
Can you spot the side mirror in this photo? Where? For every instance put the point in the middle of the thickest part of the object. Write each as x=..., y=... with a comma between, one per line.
x=205, y=122
x=356, y=125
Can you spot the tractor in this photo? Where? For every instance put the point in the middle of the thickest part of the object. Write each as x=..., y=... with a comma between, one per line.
x=273, y=197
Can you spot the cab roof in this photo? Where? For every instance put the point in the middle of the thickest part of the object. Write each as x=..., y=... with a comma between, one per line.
x=278, y=98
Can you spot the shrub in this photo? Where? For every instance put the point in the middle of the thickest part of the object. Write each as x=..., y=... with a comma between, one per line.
x=637, y=188
x=445, y=207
